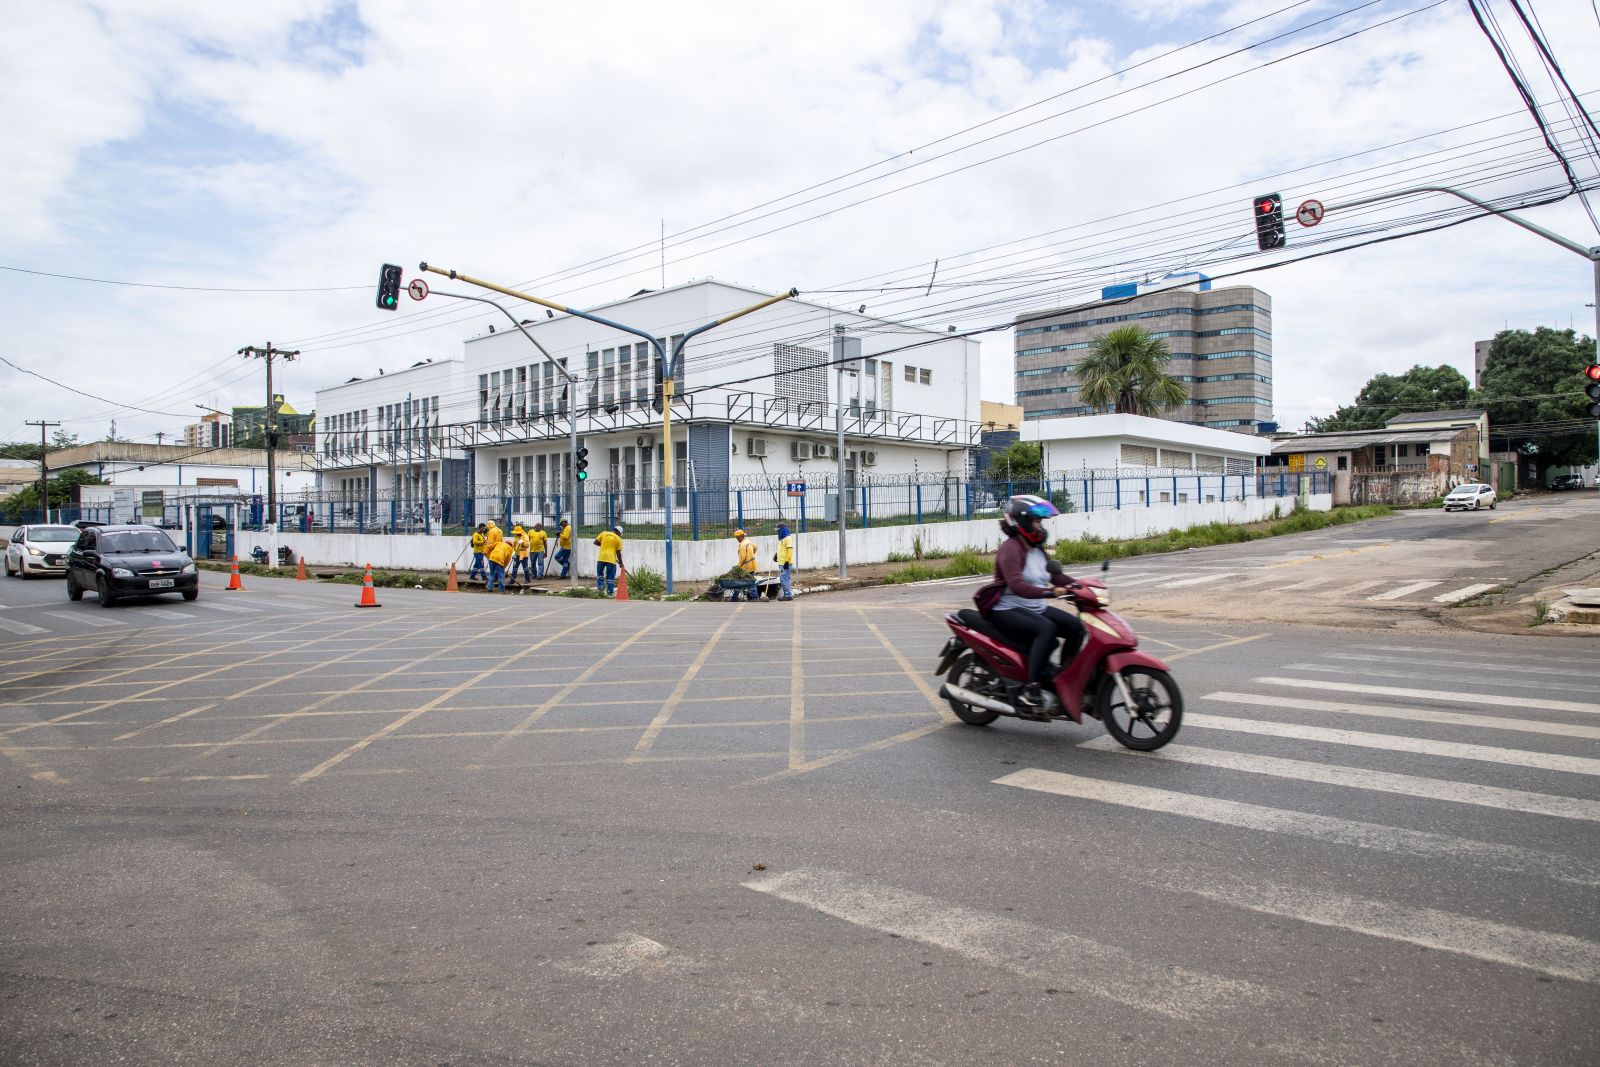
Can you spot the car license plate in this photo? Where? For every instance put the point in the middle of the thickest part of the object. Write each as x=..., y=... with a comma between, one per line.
x=162, y=583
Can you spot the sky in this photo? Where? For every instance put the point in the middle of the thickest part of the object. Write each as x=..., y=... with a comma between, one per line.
x=262, y=160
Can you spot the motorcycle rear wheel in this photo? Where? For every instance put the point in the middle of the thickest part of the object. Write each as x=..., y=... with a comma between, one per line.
x=1155, y=719
x=970, y=672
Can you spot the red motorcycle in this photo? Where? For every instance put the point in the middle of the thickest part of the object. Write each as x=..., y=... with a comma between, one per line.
x=1132, y=692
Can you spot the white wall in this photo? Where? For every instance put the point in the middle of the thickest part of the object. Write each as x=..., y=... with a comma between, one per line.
x=698, y=561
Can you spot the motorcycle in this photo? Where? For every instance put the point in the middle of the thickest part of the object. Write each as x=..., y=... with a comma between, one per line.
x=1130, y=691
x=285, y=555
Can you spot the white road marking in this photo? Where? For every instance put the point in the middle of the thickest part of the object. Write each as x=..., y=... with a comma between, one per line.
x=1202, y=579
x=1310, y=583
x=1434, y=694
x=1351, y=590
x=1520, y=657
x=1466, y=592
x=1513, y=757
x=1542, y=685
x=1554, y=954
x=1414, y=843
x=86, y=619
x=239, y=608
x=1119, y=582
x=1261, y=580
x=1385, y=711
x=1378, y=781
x=1406, y=590
x=1470, y=665
x=1022, y=948
x=21, y=628
x=154, y=612
x=626, y=955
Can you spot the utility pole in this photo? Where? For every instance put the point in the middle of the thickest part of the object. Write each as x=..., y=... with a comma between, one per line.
x=270, y=421
x=159, y=435
x=44, y=470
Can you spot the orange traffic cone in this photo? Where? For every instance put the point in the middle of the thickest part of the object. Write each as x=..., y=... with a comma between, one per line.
x=450, y=585
x=369, y=595
x=300, y=575
x=622, y=583
x=234, y=581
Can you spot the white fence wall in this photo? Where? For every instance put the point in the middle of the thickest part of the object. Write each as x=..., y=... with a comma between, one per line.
x=698, y=561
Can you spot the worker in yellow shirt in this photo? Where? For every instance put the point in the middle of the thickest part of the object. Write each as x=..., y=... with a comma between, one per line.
x=608, y=560
x=747, y=560
x=538, y=542
x=564, y=548
x=493, y=537
x=479, y=569
x=520, y=551
x=785, y=560
x=499, y=555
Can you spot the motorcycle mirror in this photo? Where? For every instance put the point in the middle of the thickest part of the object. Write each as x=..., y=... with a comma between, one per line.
x=1105, y=565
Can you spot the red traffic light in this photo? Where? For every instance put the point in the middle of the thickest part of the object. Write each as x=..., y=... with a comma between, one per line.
x=1266, y=207
x=1592, y=372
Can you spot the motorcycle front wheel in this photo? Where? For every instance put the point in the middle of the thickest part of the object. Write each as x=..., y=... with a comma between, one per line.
x=970, y=672
x=1157, y=712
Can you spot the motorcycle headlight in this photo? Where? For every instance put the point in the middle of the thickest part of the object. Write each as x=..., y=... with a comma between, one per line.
x=1104, y=596
x=189, y=568
x=121, y=572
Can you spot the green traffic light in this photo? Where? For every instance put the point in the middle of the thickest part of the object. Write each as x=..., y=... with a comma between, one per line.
x=583, y=476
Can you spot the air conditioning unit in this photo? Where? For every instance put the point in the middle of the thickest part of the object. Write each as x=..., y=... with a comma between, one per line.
x=644, y=440
x=756, y=447
x=821, y=451
x=799, y=449
x=869, y=458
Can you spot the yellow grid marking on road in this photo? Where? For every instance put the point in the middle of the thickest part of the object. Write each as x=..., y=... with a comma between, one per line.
x=78, y=648
x=340, y=757
x=169, y=719
x=1186, y=653
x=572, y=686
x=651, y=732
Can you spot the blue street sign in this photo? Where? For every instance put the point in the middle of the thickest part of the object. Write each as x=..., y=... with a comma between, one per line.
x=795, y=488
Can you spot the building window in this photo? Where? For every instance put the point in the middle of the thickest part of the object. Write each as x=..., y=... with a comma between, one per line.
x=1401, y=451
x=1343, y=463
x=1424, y=449
x=911, y=374
x=925, y=376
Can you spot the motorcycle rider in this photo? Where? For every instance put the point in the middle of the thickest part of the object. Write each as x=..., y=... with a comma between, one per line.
x=1031, y=578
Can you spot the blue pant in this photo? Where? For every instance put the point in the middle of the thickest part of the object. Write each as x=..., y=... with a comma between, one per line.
x=783, y=581
x=477, y=570
x=605, y=578
x=538, y=564
x=497, y=577
x=522, y=564
x=564, y=557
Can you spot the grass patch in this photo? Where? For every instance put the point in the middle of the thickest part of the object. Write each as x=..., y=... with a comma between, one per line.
x=583, y=592
x=966, y=562
x=1091, y=549
x=646, y=583
x=1541, y=612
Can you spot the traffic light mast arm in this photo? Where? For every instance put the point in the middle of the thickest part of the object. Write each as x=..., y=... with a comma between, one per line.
x=1572, y=246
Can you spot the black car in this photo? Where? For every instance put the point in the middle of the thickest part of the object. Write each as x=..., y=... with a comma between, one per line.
x=1567, y=481
x=119, y=561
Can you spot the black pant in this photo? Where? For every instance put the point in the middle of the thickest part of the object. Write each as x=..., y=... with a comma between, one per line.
x=1037, y=632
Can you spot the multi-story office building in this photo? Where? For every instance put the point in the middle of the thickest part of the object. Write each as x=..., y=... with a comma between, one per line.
x=210, y=432
x=1220, y=339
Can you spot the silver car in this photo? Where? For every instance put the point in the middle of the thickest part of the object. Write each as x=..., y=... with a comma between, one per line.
x=1470, y=497
x=39, y=550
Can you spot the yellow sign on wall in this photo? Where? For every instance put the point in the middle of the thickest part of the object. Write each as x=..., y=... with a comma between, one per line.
x=1322, y=463
x=1297, y=462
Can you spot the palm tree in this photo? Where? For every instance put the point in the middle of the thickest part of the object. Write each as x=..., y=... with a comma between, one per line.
x=1127, y=372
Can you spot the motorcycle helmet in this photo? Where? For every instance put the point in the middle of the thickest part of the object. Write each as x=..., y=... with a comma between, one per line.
x=1022, y=518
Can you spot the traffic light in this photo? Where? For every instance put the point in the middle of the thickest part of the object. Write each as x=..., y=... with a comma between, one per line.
x=1269, y=221
x=389, y=287
x=1592, y=390
x=583, y=464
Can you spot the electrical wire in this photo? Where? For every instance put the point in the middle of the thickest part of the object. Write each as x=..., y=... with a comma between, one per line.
x=182, y=288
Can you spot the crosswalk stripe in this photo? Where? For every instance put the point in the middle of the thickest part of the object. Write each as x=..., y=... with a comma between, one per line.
x=1199, y=580
x=1543, y=685
x=1385, y=711
x=1405, y=590
x=1359, y=587
x=1376, y=781
x=1259, y=580
x=161, y=613
x=1119, y=582
x=1466, y=592
x=1511, y=668
x=1514, y=757
x=85, y=618
x=229, y=607
x=1433, y=694
x=1520, y=657
x=1350, y=832
x=1559, y=955
x=21, y=628
x=1023, y=948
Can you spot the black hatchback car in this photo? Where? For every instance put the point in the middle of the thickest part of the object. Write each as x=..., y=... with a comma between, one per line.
x=121, y=561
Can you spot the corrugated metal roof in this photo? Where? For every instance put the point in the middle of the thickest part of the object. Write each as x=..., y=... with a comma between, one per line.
x=1352, y=439
x=1462, y=414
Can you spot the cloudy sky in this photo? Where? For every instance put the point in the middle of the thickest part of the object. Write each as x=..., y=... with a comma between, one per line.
x=1037, y=149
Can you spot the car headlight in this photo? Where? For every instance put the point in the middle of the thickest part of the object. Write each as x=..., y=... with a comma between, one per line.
x=121, y=572
x=34, y=551
x=189, y=568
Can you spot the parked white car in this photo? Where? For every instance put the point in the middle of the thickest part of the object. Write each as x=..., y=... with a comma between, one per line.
x=39, y=550
x=1470, y=497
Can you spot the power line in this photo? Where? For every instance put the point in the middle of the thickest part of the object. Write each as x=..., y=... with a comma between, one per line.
x=182, y=288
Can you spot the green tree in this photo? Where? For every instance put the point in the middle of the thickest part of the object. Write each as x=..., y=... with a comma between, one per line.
x=1126, y=371
x=19, y=450
x=63, y=493
x=1387, y=395
x=1535, y=380
x=1018, y=461
x=62, y=439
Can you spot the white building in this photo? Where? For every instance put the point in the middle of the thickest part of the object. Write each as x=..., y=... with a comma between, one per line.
x=142, y=479
x=494, y=424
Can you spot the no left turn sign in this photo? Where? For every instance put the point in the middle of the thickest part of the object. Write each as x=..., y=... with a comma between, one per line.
x=1307, y=214
x=418, y=289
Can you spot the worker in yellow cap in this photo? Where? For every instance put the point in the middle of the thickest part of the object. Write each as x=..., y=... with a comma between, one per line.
x=564, y=548
x=499, y=556
x=520, y=551
x=747, y=560
x=480, y=568
x=492, y=537
x=538, y=544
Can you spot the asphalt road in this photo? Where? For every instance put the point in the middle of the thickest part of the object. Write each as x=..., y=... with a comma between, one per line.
x=462, y=829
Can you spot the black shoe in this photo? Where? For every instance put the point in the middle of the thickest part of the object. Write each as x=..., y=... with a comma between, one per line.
x=1032, y=695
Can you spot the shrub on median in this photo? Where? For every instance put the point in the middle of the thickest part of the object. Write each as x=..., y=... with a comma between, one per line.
x=1091, y=549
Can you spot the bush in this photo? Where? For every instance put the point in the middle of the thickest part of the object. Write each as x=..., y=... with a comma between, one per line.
x=1091, y=549
x=647, y=583
x=965, y=563
x=583, y=592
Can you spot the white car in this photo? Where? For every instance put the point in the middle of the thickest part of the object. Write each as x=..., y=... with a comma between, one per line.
x=39, y=550
x=1470, y=497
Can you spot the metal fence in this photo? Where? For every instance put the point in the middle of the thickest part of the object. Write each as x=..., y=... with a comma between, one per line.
x=759, y=505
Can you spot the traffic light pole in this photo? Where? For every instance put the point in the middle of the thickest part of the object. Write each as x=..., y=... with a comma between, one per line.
x=670, y=368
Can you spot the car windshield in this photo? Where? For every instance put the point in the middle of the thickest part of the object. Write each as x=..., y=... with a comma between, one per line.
x=52, y=533
x=137, y=541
